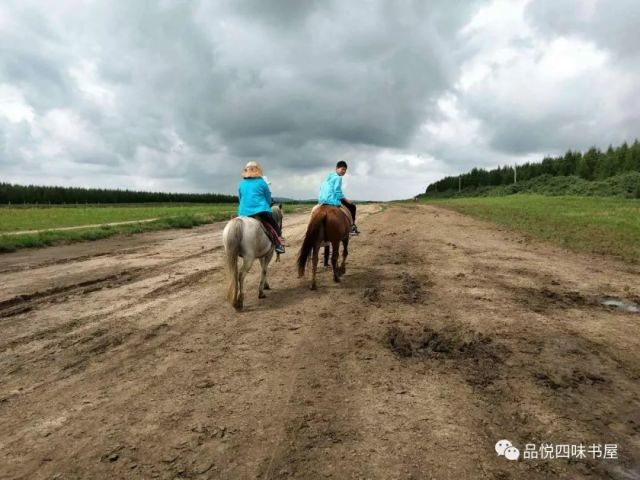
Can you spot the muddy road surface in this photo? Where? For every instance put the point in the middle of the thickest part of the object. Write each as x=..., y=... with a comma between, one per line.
x=120, y=359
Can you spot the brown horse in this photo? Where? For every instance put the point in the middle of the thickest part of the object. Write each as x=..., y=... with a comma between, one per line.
x=327, y=224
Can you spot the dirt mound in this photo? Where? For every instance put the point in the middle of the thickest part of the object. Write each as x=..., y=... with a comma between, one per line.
x=444, y=344
x=371, y=294
x=411, y=289
x=474, y=355
x=572, y=380
x=548, y=298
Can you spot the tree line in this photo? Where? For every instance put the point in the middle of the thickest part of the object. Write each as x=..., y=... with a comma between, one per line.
x=591, y=165
x=35, y=194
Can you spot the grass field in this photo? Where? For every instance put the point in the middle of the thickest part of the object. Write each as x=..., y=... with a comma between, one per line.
x=16, y=219
x=602, y=225
x=40, y=218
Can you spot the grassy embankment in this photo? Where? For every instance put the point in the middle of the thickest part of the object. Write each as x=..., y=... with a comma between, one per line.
x=26, y=218
x=625, y=185
x=602, y=225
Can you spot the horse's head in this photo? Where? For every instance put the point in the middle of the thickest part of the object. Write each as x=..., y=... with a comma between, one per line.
x=278, y=212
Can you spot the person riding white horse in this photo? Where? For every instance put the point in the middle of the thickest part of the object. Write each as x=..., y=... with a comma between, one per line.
x=255, y=199
x=245, y=237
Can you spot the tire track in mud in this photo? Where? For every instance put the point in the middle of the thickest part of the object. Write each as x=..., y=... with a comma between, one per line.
x=317, y=419
x=27, y=301
x=109, y=358
x=166, y=274
x=4, y=269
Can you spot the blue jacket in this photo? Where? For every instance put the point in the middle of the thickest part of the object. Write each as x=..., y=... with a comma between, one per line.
x=255, y=196
x=331, y=190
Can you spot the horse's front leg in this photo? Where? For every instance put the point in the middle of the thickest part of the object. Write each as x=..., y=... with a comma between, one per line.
x=264, y=263
x=345, y=251
x=326, y=256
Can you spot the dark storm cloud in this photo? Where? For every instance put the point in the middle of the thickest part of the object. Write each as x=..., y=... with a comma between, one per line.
x=179, y=95
x=44, y=84
x=339, y=75
x=278, y=13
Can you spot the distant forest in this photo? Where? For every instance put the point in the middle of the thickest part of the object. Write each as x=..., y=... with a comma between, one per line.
x=33, y=194
x=592, y=165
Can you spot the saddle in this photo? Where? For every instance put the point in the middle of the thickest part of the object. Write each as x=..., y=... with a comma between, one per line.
x=342, y=208
x=346, y=211
x=271, y=234
x=269, y=231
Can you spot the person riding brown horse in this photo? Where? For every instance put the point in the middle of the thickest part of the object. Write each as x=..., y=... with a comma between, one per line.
x=327, y=224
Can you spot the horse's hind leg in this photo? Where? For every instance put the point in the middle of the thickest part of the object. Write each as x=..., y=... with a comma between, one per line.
x=335, y=251
x=314, y=266
x=267, y=262
x=264, y=263
x=345, y=251
x=246, y=265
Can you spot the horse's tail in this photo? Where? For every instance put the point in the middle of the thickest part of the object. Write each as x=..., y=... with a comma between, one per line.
x=314, y=231
x=232, y=238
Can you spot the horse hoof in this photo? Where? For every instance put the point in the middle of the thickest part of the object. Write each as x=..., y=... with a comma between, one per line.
x=336, y=279
x=267, y=287
x=313, y=287
x=238, y=307
x=262, y=295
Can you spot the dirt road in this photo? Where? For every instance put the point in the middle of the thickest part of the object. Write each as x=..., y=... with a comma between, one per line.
x=119, y=358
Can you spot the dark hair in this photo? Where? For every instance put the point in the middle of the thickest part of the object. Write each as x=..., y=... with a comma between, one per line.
x=341, y=164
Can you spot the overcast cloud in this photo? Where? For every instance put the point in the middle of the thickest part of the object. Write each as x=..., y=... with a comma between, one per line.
x=177, y=95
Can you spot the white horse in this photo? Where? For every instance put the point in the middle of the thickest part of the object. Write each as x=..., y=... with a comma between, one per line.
x=244, y=237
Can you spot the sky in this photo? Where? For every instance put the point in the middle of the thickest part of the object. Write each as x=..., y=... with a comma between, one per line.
x=177, y=95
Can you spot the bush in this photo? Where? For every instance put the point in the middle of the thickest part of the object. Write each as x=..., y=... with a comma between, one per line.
x=626, y=185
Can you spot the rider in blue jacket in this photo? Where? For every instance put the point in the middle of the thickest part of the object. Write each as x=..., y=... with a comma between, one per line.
x=331, y=193
x=255, y=199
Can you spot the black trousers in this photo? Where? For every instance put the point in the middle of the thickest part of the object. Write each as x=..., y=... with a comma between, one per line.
x=352, y=209
x=268, y=217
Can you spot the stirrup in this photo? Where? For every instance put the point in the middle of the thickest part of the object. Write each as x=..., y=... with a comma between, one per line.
x=354, y=230
x=279, y=248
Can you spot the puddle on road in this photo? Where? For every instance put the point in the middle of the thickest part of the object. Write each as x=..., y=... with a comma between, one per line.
x=622, y=305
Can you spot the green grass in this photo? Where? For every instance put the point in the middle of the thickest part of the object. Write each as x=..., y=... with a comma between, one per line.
x=14, y=219
x=608, y=225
